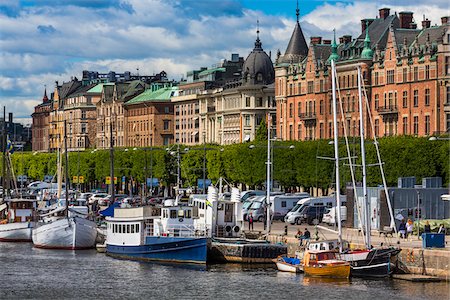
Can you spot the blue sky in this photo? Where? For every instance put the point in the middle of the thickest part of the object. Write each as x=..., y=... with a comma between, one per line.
x=42, y=41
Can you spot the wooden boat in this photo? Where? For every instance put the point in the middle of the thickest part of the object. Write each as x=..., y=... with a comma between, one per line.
x=325, y=264
x=288, y=264
x=18, y=220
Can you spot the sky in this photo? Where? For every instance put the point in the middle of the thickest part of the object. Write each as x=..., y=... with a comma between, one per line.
x=43, y=41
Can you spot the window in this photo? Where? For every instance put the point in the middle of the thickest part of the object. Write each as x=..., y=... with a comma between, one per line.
x=83, y=114
x=137, y=228
x=290, y=89
x=247, y=101
x=247, y=120
x=447, y=65
x=377, y=127
x=166, y=110
x=166, y=124
x=283, y=203
x=377, y=101
x=427, y=125
x=448, y=95
x=321, y=130
x=405, y=74
x=390, y=76
x=416, y=98
x=416, y=73
x=416, y=125
x=299, y=108
x=299, y=131
x=405, y=125
x=299, y=88
x=321, y=107
x=291, y=132
x=166, y=140
x=321, y=86
x=259, y=102
x=405, y=99
x=310, y=87
x=427, y=72
x=376, y=78
x=448, y=122
x=291, y=109
x=173, y=214
x=427, y=97
x=83, y=127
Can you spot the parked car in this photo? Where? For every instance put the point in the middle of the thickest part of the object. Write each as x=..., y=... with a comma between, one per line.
x=106, y=200
x=96, y=197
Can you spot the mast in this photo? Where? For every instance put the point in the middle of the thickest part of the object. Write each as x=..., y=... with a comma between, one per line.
x=66, y=167
x=336, y=154
x=363, y=161
x=111, y=161
x=4, y=153
x=268, y=175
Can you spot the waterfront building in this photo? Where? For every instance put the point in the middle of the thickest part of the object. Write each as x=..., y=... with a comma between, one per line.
x=40, y=126
x=232, y=113
x=196, y=86
x=150, y=117
x=111, y=114
x=405, y=73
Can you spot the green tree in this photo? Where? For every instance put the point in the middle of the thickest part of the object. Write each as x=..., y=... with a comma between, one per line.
x=261, y=132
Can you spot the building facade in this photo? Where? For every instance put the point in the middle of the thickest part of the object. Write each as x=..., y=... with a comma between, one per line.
x=404, y=75
x=41, y=126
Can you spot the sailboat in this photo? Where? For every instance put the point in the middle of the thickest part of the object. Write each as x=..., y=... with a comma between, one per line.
x=368, y=262
x=69, y=231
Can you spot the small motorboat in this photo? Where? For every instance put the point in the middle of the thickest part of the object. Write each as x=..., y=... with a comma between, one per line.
x=289, y=264
x=325, y=264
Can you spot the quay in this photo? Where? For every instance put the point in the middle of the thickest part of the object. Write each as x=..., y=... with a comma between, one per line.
x=412, y=260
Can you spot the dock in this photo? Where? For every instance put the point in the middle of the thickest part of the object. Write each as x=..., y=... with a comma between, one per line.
x=416, y=277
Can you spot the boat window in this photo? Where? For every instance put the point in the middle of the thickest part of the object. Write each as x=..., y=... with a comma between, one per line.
x=128, y=228
x=329, y=204
x=173, y=214
x=120, y=228
x=180, y=213
x=137, y=228
x=132, y=228
x=188, y=214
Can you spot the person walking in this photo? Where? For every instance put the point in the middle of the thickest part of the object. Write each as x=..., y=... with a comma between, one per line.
x=409, y=228
x=402, y=229
x=427, y=227
x=250, y=222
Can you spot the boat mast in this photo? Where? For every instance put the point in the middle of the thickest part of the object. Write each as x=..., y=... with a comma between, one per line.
x=111, y=162
x=4, y=153
x=66, y=167
x=336, y=154
x=268, y=175
x=363, y=162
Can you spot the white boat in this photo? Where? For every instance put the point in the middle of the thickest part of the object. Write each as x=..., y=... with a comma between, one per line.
x=289, y=264
x=71, y=233
x=18, y=221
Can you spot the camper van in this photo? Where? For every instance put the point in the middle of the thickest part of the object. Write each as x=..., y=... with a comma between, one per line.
x=280, y=205
x=295, y=215
x=330, y=214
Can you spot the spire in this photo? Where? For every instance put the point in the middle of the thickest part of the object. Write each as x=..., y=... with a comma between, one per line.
x=45, y=98
x=297, y=11
x=367, y=52
x=297, y=44
x=258, y=44
x=334, y=55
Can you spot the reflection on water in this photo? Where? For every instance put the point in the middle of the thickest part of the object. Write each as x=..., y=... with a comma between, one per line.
x=33, y=273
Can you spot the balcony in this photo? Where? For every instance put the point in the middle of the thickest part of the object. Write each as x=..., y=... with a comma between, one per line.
x=447, y=106
x=211, y=109
x=387, y=110
x=307, y=116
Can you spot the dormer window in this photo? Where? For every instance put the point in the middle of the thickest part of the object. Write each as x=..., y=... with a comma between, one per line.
x=259, y=77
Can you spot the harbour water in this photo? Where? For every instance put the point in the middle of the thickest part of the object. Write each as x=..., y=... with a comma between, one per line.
x=31, y=273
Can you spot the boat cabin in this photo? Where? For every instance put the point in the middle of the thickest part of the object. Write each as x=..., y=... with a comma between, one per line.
x=18, y=210
x=312, y=258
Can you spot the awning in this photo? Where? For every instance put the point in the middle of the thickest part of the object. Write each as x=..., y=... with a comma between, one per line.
x=247, y=138
x=109, y=211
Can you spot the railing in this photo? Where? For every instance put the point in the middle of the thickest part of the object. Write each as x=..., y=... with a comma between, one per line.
x=391, y=109
x=307, y=116
x=179, y=230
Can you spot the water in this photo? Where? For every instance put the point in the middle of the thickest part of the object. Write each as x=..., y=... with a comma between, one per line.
x=30, y=273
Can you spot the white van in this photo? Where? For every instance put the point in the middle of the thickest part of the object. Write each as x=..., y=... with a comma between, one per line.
x=294, y=216
x=330, y=214
x=282, y=204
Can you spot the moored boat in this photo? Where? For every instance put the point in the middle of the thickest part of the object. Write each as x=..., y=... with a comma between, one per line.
x=18, y=221
x=325, y=264
x=288, y=264
x=167, y=234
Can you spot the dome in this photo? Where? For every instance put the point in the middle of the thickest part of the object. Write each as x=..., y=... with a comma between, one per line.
x=258, y=67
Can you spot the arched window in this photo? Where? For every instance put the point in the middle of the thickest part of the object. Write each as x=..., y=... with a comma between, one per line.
x=259, y=77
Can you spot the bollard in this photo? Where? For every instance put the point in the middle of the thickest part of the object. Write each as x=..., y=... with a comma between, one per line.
x=285, y=229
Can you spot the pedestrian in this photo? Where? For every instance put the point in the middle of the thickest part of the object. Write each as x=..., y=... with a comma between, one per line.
x=250, y=222
x=402, y=229
x=306, y=236
x=409, y=228
x=427, y=227
x=442, y=229
x=299, y=236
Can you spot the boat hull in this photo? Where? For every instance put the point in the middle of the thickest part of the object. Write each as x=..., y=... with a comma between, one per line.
x=376, y=263
x=330, y=271
x=373, y=270
x=72, y=233
x=163, y=249
x=16, y=232
x=242, y=252
x=284, y=266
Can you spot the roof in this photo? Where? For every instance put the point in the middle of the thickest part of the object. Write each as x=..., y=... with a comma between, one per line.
x=433, y=35
x=97, y=89
x=134, y=88
x=297, y=44
x=210, y=71
x=81, y=90
x=67, y=88
x=161, y=95
x=107, y=94
x=405, y=35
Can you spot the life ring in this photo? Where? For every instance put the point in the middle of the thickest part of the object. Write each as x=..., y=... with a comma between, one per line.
x=180, y=219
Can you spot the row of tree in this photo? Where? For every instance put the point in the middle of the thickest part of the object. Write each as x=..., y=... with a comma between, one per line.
x=294, y=163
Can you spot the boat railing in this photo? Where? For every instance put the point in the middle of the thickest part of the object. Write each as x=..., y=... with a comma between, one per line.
x=180, y=230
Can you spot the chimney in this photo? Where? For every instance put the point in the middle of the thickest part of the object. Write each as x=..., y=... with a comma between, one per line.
x=327, y=42
x=347, y=39
x=316, y=40
x=406, y=18
x=426, y=23
x=444, y=20
x=413, y=25
x=364, y=22
x=384, y=13
x=341, y=40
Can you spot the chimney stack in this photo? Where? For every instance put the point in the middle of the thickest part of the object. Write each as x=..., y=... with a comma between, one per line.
x=406, y=18
x=316, y=40
x=347, y=39
x=365, y=23
x=384, y=13
x=413, y=25
x=426, y=24
x=341, y=40
x=444, y=20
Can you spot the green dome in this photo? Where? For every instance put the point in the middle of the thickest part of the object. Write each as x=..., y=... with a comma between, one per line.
x=367, y=52
x=333, y=56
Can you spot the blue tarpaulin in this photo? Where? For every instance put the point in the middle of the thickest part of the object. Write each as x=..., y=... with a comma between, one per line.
x=109, y=211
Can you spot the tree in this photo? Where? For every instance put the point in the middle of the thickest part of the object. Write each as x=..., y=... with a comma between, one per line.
x=261, y=132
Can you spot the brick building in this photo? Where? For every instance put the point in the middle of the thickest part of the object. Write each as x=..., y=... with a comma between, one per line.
x=41, y=125
x=405, y=73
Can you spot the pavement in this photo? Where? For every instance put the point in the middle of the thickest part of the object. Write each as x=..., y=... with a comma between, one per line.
x=349, y=234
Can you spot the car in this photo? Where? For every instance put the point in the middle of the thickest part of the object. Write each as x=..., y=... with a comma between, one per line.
x=117, y=198
x=311, y=213
x=96, y=197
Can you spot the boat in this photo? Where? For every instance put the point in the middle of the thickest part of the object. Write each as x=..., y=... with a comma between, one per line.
x=18, y=221
x=163, y=234
x=289, y=264
x=325, y=264
x=65, y=227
